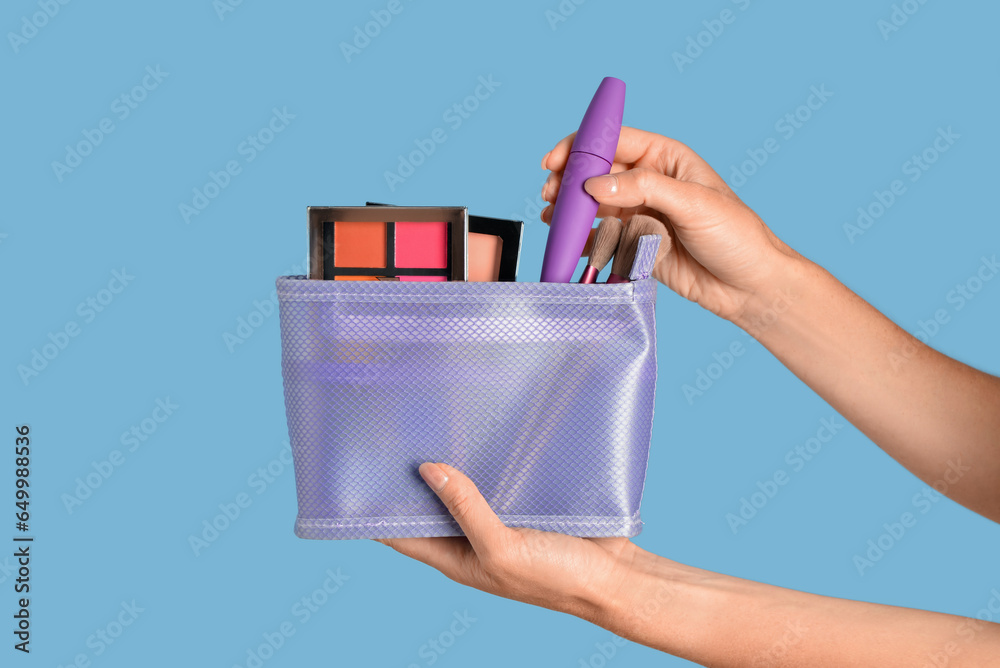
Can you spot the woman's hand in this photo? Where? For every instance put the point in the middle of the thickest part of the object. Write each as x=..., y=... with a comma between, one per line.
x=722, y=253
x=548, y=569
x=716, y=620
x=926, y=410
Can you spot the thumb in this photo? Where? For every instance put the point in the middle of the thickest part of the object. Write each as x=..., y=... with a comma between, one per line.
x=646, y=187
x=459, y=494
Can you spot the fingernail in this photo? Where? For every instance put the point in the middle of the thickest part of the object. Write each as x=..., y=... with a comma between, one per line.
x=602, y=185
x=545, y=159
x=433, y=476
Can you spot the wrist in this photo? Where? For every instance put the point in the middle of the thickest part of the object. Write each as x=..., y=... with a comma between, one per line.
x=651, y=593
x=706, y=617
x=789, y=279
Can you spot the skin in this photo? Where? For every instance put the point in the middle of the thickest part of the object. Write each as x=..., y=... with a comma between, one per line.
x=937, y=417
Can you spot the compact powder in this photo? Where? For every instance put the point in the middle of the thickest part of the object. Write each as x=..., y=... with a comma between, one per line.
x=485, y=251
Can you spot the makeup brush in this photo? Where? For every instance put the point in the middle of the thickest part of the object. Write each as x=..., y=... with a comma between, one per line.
x=639, y=225
x=609, y=232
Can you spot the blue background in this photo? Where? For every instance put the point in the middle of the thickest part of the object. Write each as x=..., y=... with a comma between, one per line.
x=163, y=336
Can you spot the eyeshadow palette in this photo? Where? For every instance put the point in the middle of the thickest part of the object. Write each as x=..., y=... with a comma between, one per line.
x=369, y=243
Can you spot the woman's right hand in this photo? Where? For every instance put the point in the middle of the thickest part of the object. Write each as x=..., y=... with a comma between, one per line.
x=721, y=254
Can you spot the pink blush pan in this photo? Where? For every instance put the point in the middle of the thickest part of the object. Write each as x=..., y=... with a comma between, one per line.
x=422, y=245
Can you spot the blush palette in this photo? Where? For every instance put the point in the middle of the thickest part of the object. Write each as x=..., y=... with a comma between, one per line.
x=369, y=243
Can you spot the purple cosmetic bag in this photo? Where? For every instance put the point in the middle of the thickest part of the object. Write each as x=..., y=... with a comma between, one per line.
x=542, y=393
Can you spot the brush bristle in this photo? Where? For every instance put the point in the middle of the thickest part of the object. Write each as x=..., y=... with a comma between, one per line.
x=638, y=225
x=609, y=232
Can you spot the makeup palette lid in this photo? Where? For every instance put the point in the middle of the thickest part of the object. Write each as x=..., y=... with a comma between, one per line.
x=602, y=124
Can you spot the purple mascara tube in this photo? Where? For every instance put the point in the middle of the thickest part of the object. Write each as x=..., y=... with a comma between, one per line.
x=592, y=154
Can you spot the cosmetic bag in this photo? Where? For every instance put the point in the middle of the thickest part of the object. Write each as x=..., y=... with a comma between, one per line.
x=542, y=393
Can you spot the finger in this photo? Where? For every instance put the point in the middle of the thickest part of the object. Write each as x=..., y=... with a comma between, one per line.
x=555, y=160
x=459, y=494
x=615, y=167
x=646, y=187
x=667, y=156
x=558, y=155
x=632, y=145
x=603, y=211
x=550, y=189
x=552, y=185
x=648, y=149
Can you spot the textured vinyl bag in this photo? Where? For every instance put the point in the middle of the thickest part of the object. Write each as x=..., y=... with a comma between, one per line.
x=542, y=393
